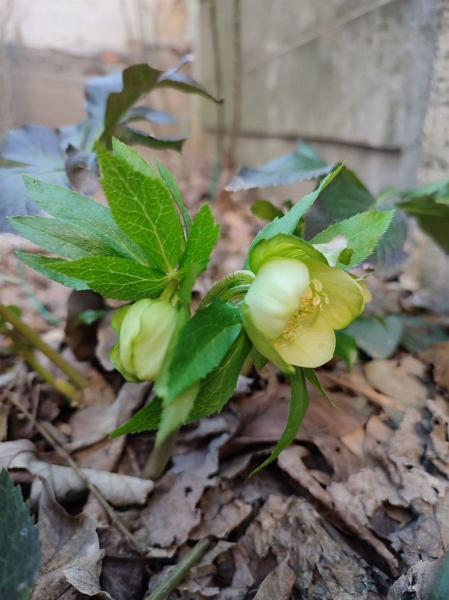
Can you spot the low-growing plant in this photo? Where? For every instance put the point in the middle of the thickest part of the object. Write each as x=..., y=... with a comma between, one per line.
x=283, y=306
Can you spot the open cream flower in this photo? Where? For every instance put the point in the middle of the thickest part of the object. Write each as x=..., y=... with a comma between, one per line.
x=293, y=307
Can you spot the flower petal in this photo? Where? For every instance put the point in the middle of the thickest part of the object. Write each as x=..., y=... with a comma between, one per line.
x=130, y=327
x=313, y=344
x=345, y=294
x=275, y=294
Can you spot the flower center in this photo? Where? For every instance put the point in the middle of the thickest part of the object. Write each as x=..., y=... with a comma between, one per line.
x=311, y=301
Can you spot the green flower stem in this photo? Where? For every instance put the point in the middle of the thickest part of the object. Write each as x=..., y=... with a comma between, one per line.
x=182, y=568
x=159, y=457
x=234, y=282
x=37, y=342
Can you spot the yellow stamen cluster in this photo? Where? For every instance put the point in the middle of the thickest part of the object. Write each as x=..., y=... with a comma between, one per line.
x=311, y=301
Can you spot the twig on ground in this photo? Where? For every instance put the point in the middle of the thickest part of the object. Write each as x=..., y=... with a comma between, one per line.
x=92, y=488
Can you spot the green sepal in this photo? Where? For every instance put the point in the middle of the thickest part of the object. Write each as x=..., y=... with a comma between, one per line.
x=282, y=246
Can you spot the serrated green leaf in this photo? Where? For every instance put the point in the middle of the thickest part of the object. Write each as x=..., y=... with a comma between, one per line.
x=378, y=337
x=146, y=419
x=288, y=223
x=130, y=135
x=20, y=551
x=174, y=190
x=133, y=158
x=62, y=203
x=202, y=239
x=219, y=385
x=264, y=209
x=116, y=278
x=203, y=344
x=144, y=209
x=362, y=231
x=302, y=165
x=299, y=403
x=40, y=263
x=346, y=348
x=176, y=412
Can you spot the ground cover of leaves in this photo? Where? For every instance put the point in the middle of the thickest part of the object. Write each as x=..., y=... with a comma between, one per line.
x=358, y=508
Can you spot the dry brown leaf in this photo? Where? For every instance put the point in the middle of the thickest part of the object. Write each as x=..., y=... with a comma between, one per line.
x=72, y=557
x=398, y=379
x=438, y=450
x=417, y=583
x=278, y=584
x=119, y=490
x=172, y=511
x=438, y=356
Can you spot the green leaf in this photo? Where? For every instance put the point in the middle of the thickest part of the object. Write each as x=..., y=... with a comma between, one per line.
x=299, y=403
x=362, y=231
x=264, y=209
x=32, y=150
x=20, y=548
x=441, y=588
x=378, y=337
x=133, y=158
x=258, y=359
x=94, y=218
x=311, y=376
x=172, y=185
x=176, y=412
x=203, y=344
x=40, y=263
x=418, y=334
x=116, y=278
x=202, y=239
x=144, y=113
x=282, y=246
x=130, y=135
x=289, y=222
x=89, y=316
x=219, y=385
x=146, y=419
x=432, y=216
x=144, y=209
x=302, y=165
x=346, y=348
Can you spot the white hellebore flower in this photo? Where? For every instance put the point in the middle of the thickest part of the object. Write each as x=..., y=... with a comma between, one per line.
x=292, y=308
x=145, y=330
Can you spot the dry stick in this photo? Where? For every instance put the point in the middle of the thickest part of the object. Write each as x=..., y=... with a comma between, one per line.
x=181, y=569
x=90, y=486
x=237, y=84
x=219, y=92
x=37, y=342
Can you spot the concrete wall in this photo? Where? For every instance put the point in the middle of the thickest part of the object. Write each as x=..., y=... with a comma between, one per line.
x=350, y=76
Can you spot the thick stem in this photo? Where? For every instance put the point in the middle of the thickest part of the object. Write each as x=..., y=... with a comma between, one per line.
x=159, y=457
x=233, y=280
x=37, y=342
x=181, y=569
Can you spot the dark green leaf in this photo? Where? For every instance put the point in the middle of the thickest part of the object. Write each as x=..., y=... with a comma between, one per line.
x=432, y=216
x=362, y=231
x=20, y=551
x=143, y=207
x=302, y=165
x=135, y=137
x=41, y=264
x=311, y=376
x=37, y=150
x=95, y=218
x=378, y=337
x=97, y=92
x=441, y=588
x=346, y=348
x=203, y=344
x=116, y=278
x=87, y=317
x=147, y=419
x=289, y=222
x=219, y=385
x=202, y=239
x=299, y=403
x=418, y=334
x=264, y=209
x=170, y=182
x=144, y=113
x=184, y=83
x=259, y=360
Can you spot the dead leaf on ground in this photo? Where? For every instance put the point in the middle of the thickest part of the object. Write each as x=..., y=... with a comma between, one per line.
x=437, y=355
x=119, y=490
x=71, y=554
x=399, y=379
x=278, y=584
x=417, y=583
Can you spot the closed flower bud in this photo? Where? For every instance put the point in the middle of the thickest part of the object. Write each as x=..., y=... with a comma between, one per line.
x=145, y=330
x=293, y=307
